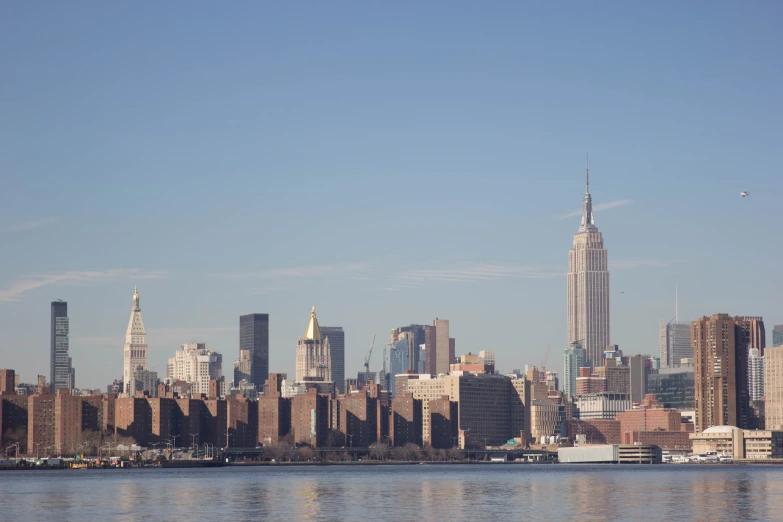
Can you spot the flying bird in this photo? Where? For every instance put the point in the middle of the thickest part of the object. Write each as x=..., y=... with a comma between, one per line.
x=744, y=193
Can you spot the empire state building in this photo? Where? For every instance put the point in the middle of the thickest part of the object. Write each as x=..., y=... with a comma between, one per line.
x=588, y=286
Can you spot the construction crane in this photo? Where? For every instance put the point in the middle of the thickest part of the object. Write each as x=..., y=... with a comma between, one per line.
x=367, y=359
x=543, y=364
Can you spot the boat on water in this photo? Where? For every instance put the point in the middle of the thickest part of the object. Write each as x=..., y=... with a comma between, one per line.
x=195, y=463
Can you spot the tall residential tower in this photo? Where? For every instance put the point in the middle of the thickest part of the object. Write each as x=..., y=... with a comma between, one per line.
x=588, y=286
x=60, y=367
x=720, y=349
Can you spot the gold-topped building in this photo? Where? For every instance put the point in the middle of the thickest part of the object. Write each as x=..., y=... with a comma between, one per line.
x=313, y=355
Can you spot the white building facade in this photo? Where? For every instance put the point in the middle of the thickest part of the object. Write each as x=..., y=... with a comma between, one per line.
x=605, y=405
x=195, y=364
x=135, y=352
x=588, y=287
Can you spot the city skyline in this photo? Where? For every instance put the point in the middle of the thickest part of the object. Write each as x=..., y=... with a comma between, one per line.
x=440, y=165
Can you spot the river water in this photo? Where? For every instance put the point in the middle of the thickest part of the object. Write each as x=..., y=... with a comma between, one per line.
x=442, y=493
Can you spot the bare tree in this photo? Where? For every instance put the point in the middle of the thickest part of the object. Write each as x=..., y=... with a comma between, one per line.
x=305, y=453
x=335, y=439
x=455, y=453
x=379, y=451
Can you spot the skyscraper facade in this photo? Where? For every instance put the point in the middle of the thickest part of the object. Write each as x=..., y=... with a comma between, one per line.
x=429, y=349
x=755, y=374
x=637, y=378
x=313, y=354
x=720, y=347
x=675, y=343
x=415, y=335
x=196, y=365
x=588, y=286
x=254, y=337
x=573, y=358
x=395, y=362
x=777, y=335
x=135, y=353
x=755, y=333
x=773, y=388
x=442, y=346
x=60, y=372
x=336, y=337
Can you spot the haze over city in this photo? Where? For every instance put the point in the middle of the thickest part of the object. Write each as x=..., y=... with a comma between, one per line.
x=385, y=168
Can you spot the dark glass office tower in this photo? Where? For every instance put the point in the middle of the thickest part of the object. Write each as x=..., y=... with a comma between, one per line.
x=337, y=349
x=254, y=337
x=59, y=370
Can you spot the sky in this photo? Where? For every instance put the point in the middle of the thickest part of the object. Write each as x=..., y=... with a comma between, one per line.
x=387, y=163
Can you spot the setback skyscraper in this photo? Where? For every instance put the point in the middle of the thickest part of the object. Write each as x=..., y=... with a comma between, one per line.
x=336, y=337
x=60, y=368
x=135, y=353
x=588, y=286
x=254, y=337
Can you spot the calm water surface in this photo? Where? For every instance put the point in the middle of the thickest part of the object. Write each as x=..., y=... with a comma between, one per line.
x=423, y=493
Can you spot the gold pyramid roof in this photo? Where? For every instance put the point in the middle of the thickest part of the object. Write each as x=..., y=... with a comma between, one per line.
x=313, y=332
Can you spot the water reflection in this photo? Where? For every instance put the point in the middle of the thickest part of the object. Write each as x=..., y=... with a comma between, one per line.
x=425, y=493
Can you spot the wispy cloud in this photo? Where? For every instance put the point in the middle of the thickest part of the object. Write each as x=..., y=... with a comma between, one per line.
x=348, y=270
x=29, y=225
x=639, y=262
x=22, y=286
x=469, y=273
x=600, y=207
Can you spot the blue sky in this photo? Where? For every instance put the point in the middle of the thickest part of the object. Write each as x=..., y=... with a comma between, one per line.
x=388, y=163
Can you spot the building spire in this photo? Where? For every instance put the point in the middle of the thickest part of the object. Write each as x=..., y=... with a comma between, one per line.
x=676, y=304
x=588, y=223
x=587, y=174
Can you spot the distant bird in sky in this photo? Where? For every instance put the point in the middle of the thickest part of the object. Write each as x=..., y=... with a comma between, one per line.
x=744, y=193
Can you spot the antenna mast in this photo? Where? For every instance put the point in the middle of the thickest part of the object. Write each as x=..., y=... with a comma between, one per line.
x=676, y=304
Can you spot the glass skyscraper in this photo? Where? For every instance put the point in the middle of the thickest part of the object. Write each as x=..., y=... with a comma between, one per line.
x=336, y=337
x=574, y=357
x=777, y=335
x=254, y=337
